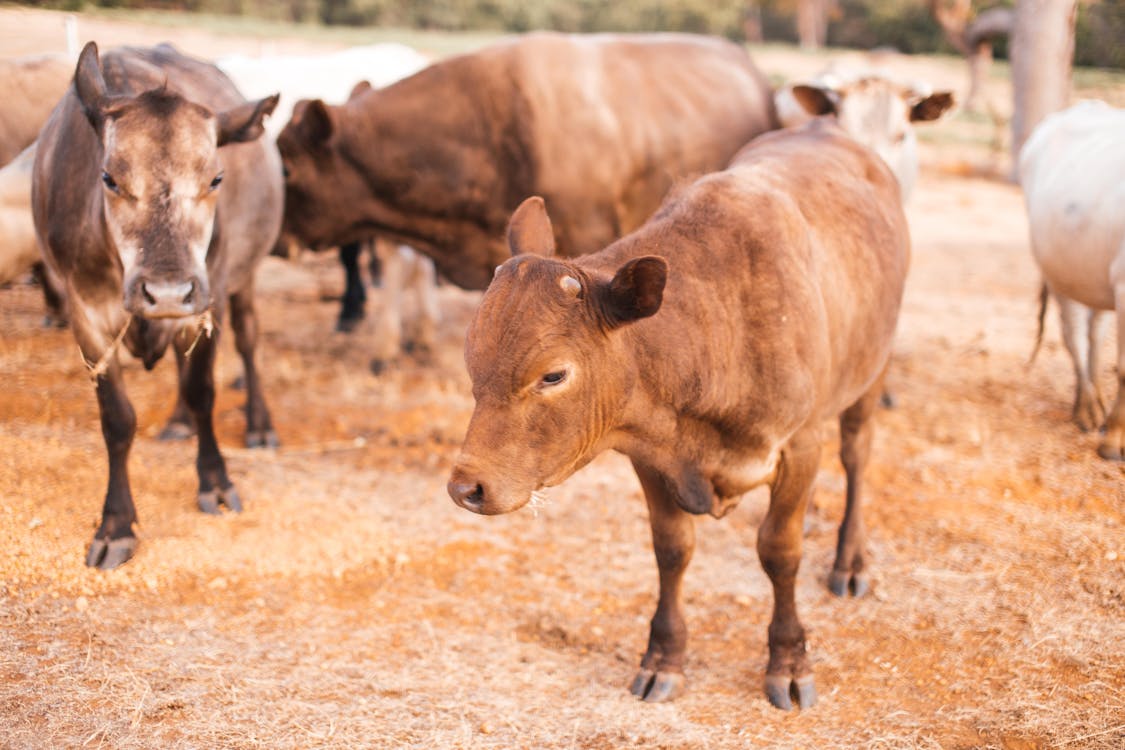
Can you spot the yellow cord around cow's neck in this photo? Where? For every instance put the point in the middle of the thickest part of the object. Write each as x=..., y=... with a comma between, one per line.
x=204, y=326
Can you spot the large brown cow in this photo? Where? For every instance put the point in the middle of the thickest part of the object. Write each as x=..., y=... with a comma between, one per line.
x=601, y=126
x=709, y=347
x=153, y=202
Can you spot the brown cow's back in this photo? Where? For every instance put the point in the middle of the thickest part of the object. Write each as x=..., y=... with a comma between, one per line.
x=30, y=88
x=600, y=125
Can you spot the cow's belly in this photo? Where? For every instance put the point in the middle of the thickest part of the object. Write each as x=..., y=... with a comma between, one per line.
x=1080, y=250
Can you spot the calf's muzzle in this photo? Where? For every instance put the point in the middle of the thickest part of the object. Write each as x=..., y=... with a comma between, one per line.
x=166, y=298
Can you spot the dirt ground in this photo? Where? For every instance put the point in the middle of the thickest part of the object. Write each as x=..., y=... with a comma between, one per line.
x=352, y=605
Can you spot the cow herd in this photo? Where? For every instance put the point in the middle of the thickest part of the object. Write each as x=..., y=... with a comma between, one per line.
x=670, y=273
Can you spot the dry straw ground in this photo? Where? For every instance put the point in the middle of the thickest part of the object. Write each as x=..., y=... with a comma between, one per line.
x=353, y=606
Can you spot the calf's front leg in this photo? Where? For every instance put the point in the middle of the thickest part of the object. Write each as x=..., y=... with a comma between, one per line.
x=198, y=392
x=115, y=540
x=788, y=675
x=661, y=676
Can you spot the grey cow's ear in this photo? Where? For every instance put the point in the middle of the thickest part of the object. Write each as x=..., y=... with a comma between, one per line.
x=529, y=229
x=932, y=107
x=89, y=85
x=815, y=100
x=245, y=122
x=636, y=291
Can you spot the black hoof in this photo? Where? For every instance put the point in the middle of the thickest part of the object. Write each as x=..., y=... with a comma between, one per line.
x=107, y=554
x=210, y=501
x=262, y=439
x=175, y=431
x=378, y=366
x=888, y=400
x=782, y=691
x=239, y=383
x=349, y=324
x=843, y=583
x=657, y=687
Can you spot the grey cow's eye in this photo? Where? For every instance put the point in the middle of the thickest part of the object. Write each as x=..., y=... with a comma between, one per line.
x=217, y=181
x=109, y=182
x=553, y=378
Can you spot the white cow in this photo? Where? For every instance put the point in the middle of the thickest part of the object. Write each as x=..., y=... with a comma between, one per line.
x=19, y=250
x=1072, y=171
x=873, y=107
x=334, y=77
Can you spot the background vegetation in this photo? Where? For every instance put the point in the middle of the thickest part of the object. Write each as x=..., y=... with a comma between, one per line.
x=903, y=24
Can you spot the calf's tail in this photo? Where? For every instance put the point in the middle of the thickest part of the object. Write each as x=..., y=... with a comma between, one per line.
x=1044, y=295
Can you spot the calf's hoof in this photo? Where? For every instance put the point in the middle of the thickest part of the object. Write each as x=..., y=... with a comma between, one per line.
x=657, y=687
x=844, y=582
x=210, y=501
x=347, y=324
x=1112, y=446
x=107, y=554
x=783, y=690
x=262, y=439
x=174, y=431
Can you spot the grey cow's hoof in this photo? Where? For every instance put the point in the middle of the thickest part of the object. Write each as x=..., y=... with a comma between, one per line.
x=844, y=582
x=262, y=439
x=174, y=431
x=107, y=554
x=657, y=687
x=782, y=690
x=209, y=502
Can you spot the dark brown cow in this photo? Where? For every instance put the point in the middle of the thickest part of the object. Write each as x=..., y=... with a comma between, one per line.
x=153, y=203
x=601, y=126
x=709, y=347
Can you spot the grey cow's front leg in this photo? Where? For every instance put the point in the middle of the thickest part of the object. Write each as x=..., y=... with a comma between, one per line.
x=198, y=392
x=115, y=540
x=661, y=676
x=788, y=676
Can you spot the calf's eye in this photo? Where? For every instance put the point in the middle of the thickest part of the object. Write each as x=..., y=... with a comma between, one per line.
x=553, y=378
x=109, y=182
x=217, y=181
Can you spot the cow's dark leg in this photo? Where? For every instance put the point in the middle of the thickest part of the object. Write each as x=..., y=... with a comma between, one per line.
x=180, y=425
x=355, y=296
x=789, y=675
x=198, y=392
x=53, y=297
x=856, y=429
x=115, y=541
x=259, y=428
x=661, y=676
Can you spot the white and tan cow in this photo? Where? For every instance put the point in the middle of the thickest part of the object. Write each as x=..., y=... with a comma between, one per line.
x=18, y=248
x=871, y=106
x=1072, y=170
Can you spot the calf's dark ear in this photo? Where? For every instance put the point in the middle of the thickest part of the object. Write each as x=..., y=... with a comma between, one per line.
x=245, y=122
x=636, y=291
x=932, y=107
x=89, y=85
x=815, y=100
x=529, y=229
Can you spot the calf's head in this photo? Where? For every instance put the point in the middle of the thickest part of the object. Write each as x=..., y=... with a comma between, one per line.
x=548, y=358
x=161, y=171
x=879, y=113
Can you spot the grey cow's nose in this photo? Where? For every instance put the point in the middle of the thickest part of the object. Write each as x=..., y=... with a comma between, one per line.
x=468, y=494
x=169, y=300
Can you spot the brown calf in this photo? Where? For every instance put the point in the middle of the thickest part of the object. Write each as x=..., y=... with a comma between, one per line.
x=709, y=347
x=153, y=202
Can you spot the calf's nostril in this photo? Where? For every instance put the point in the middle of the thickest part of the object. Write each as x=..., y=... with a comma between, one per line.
x=468, y=495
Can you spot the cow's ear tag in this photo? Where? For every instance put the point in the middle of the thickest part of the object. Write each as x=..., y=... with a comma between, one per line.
x=529, y=229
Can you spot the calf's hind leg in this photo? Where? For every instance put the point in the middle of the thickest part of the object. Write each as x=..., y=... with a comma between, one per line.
x=244, y=321
x=848, y=574
x=788, y=675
